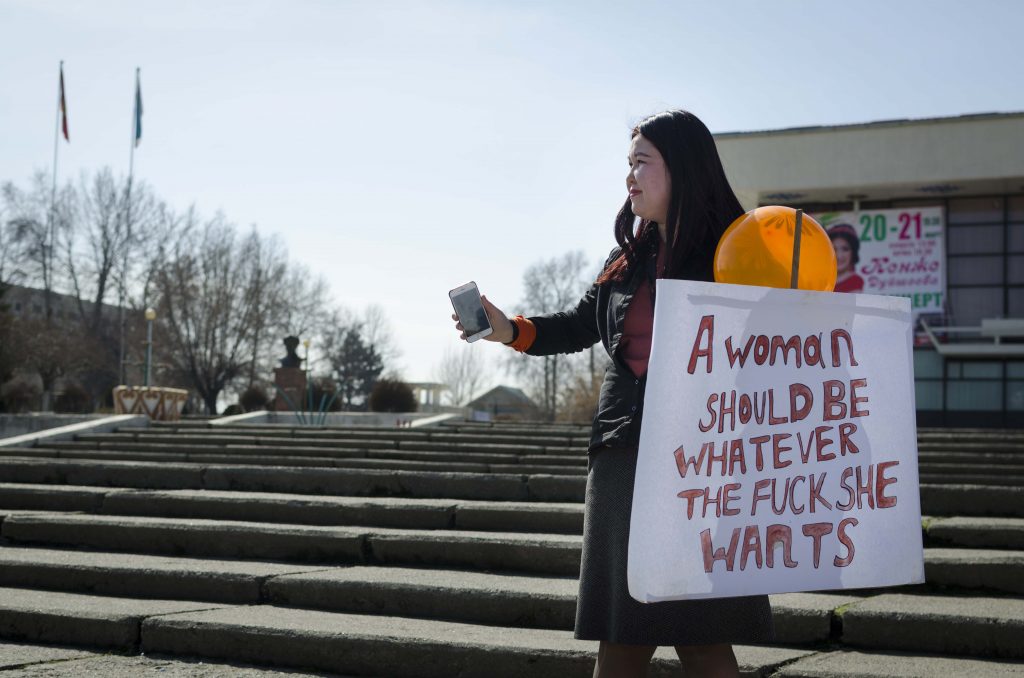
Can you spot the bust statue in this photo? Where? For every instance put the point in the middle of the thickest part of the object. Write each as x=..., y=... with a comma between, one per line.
x=292, y=359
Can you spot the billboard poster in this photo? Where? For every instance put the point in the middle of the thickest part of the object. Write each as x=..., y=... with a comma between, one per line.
x=897, y=252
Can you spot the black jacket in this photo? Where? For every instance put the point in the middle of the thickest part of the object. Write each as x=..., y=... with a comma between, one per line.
x=600, y=316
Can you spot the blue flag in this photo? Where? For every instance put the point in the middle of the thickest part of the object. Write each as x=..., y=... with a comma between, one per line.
x=138, y=109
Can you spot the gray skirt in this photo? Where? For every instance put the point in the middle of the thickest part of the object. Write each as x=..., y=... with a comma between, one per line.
x=605, y=610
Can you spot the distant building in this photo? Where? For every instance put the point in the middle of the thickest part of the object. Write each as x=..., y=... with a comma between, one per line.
x=29, y=302
x=505, y=402
x=958, y=181
x=428, y=395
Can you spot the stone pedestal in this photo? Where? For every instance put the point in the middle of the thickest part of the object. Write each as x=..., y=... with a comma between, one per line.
x=290, y=380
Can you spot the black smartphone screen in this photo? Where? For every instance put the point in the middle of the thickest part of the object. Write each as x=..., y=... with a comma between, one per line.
x=470, y=311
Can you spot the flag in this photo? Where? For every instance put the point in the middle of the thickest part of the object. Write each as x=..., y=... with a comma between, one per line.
x=63, y=106
x=138, y=109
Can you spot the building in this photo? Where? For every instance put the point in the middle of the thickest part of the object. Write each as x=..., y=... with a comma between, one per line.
x=504, y=403
x=29, y=302
x=966, y=175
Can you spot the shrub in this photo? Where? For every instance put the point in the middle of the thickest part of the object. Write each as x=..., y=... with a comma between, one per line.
x=232, y=410
x=74, y=400
x=391, y=395
x=254, y=398
x=20, y=396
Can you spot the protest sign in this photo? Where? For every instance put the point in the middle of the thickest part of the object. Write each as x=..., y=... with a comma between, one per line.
x=778, y=449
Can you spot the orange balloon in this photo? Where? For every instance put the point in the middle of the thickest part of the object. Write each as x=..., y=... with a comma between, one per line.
x=757, y=249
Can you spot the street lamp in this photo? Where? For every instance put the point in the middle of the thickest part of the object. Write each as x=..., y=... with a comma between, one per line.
x=150, y=317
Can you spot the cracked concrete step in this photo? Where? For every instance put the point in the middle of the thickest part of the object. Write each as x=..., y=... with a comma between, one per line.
x=965, y=499
x=959, y=499
x=1016, y=470
x=973, y=447
x=51, y=497
x=975, y=569
x=939, y=500
x=968, y=458
x=575, y=460
x=220, y=456
x=398, y=646
x=443, y=444
x=21, y=660
x=991, y=532
x=501, y=600
x=854, y=664
x=560, y=518
x=580, y=434
x=142, y=576
x=297, y=480
x=456, y=595
x=980, y=626
x=16, y=655
x=932, y=433
x=413, y=459
x=556, y=518
x=76, y=619
x=478, y=597
x=992, y=479
x=544, y=553
x=467, y=462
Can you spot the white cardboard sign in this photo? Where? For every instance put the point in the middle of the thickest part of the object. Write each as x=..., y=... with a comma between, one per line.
x=778, y=451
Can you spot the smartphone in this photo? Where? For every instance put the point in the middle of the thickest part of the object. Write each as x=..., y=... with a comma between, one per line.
x=470, y=309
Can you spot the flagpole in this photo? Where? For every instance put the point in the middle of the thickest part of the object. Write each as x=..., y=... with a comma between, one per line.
x=128, y=220
x=52, y=230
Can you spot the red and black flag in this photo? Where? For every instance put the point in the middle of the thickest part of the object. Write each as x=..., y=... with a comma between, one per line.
x=63, y=106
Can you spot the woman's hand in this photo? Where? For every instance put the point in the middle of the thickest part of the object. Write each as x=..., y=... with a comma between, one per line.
x=500, y=323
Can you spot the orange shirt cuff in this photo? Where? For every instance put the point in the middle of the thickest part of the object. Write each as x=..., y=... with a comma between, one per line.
x=527, y=334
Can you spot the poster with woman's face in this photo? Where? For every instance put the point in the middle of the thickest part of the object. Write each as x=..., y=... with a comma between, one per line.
x=896, y=252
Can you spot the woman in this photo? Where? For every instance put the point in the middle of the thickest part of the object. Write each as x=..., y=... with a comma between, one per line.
x=678, y=190
x=846, y=245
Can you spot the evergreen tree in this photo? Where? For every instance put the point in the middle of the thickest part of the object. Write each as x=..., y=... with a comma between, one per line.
x=357, y=366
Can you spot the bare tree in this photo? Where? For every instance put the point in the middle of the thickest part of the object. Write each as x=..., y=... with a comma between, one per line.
x=205, y=308
x=550, y=286
x=378, y=333
x=36, y=229
x=105, y=240
x=6, y=251
x=268, y=271
x=463, y=370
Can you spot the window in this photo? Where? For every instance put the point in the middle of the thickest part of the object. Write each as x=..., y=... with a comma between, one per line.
x=975, y=211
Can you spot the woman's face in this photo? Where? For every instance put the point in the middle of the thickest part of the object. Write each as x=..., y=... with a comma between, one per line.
x=648, y=181
x=843, y=255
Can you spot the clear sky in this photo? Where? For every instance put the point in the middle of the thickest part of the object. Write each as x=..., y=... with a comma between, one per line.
x=403, y=148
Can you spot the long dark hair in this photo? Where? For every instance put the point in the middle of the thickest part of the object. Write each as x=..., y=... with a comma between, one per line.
x=700, y=208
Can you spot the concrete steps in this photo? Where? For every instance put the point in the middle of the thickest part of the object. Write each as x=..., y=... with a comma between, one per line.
x=436, y=552
x=936, y=499
x=977, y=532
x=21, y=660
x=948, y=624
x=559, y=518
x=383, y=644
x=342, y=643
x=306, y=452
x=854, y=664
x=551, y=554
x=290, y=479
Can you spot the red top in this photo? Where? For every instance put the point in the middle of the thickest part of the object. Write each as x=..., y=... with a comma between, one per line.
x=854, y=283
x=635, y=345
